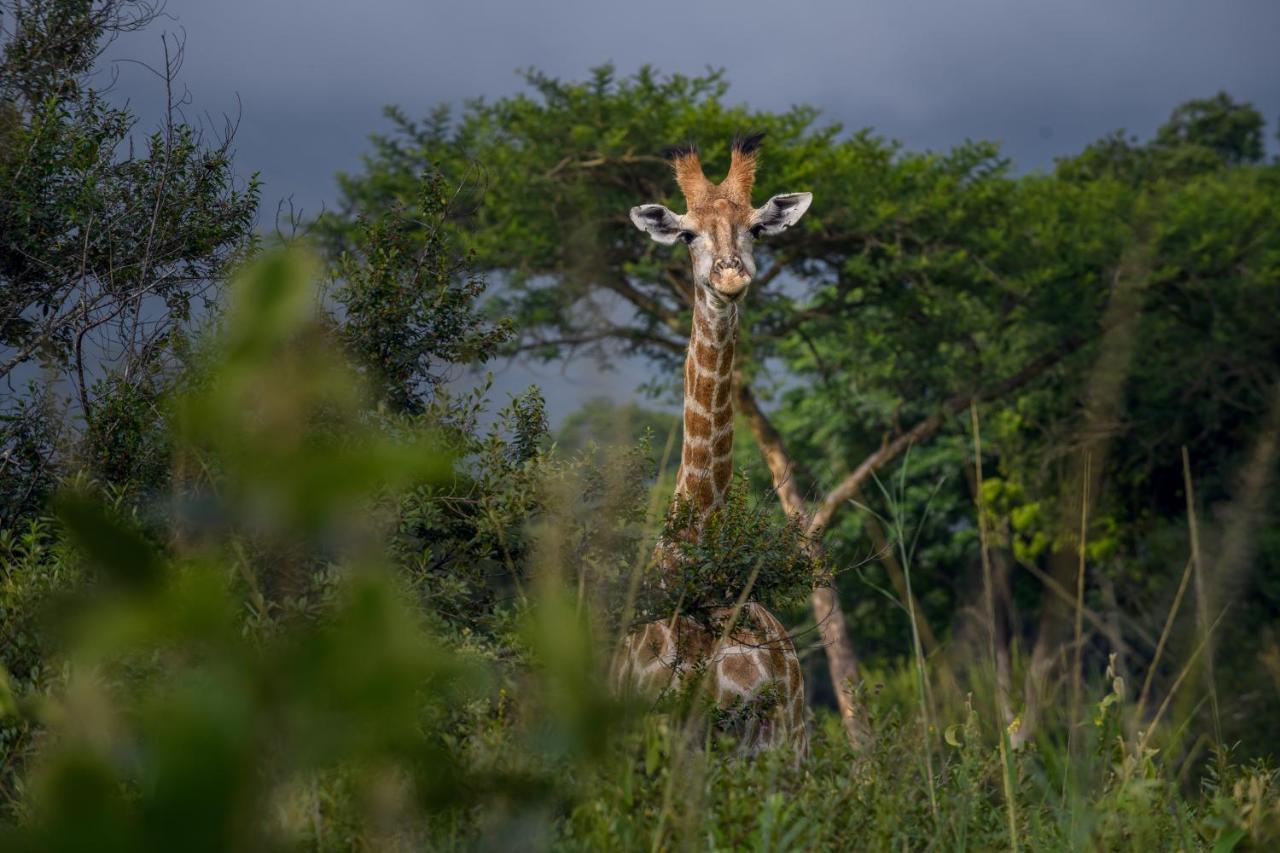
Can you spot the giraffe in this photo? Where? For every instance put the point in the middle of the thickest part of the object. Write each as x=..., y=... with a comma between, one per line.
x=753, y=662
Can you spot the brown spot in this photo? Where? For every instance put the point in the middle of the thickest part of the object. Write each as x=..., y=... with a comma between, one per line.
x=740, y=669
x=702, y=327
x=695, y=424
x=692, y=641
x=723, y=445
x=708, y=358
x=697, y=457
x=702, y=492
x=704, y=388
x=722, y=395
x=723, y=471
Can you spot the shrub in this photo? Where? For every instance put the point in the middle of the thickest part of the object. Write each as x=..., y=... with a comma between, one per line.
x=743, y=552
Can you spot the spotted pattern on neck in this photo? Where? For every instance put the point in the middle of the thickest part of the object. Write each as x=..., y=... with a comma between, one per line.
x=706, y=456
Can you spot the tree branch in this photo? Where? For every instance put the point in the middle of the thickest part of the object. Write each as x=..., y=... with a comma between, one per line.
x=842, y=663
x=613, y=332
x=648, y=304
x=782, y=467
x=853, y=483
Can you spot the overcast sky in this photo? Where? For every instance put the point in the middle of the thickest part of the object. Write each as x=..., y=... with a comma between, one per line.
x=310, y=77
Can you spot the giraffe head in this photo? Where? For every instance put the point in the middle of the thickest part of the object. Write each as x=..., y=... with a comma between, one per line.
x=720, y=226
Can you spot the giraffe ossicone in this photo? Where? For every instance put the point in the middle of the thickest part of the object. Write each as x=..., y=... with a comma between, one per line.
x=746, y=659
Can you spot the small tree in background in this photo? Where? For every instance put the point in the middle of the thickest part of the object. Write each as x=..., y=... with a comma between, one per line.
x=111, y=246
x=408, y=300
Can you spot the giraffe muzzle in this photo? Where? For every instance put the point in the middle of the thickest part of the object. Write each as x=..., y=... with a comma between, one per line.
x=729, y=277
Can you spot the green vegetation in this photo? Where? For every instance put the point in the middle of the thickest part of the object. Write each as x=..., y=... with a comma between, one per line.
x=740, y=548
x=270, y=580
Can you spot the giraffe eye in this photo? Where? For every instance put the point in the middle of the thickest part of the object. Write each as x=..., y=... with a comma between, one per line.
x=688, y=237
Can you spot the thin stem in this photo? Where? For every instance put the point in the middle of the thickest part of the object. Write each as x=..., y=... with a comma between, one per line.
x=1164, y=706
x=1202, y=603
x=1001, y=729
x=1164, y=637
x=1077, y=669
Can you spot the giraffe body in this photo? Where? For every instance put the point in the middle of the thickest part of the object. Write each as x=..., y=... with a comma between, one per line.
x=748, y=664
x=751, y=672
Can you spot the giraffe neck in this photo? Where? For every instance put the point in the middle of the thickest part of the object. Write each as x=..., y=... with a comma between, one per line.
x=706, y=458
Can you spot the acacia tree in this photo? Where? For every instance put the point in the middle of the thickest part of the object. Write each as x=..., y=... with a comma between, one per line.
x=918, y=286
x=108, y=246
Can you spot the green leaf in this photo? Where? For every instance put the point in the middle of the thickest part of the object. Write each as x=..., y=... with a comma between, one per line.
x=8, y=702
x=118, y=549
x=1228, y=841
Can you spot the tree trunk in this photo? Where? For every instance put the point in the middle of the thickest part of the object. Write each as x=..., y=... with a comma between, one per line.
x=842, y=662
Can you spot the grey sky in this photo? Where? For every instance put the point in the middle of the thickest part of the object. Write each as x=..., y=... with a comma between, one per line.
x=1043, y=78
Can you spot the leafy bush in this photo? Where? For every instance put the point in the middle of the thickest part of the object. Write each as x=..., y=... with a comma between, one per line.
x=742, y=552
x=657, y=792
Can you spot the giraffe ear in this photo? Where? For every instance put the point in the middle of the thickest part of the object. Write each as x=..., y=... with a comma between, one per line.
x=661, y=224
x=780, y=213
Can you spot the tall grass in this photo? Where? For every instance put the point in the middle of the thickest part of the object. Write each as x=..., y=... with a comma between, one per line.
x=1002, y=732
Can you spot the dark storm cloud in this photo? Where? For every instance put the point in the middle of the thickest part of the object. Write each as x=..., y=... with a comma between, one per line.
x=1042, y=78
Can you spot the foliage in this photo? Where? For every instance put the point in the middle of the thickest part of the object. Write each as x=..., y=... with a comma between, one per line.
x=1201, y=136
x=740, y=553
x=408, y=300
x=1231, y=130
x=180, y=717
x=469, y=544
x=268, y=643
x=607, y=424
x=112, y=246
x=659, y=793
